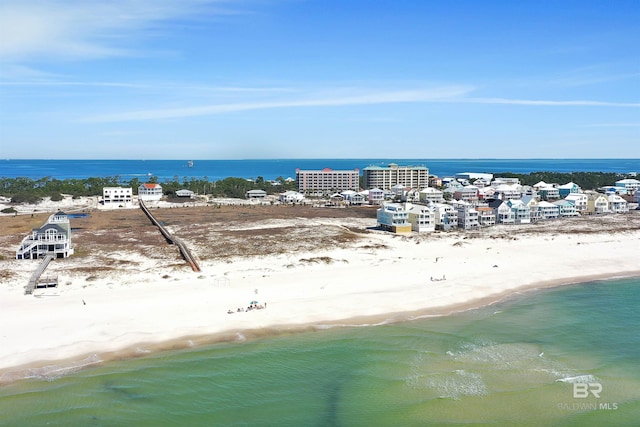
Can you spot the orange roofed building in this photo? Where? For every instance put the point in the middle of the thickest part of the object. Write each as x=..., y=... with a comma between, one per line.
x=150, y=192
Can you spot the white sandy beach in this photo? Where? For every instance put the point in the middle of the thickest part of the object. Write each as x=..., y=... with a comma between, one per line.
x=383, y=277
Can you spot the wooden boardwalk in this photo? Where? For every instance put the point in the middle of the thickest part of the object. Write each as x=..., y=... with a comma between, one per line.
x=33, y=282
x=184, y=251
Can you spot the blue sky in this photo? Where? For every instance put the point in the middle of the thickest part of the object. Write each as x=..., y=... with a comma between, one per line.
x=225, y=79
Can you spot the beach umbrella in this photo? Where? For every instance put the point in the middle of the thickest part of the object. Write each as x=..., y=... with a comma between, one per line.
x=254, y=302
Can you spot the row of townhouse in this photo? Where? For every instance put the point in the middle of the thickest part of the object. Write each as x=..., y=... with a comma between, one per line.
x=431, y=216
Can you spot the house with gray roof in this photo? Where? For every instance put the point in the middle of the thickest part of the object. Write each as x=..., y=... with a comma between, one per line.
x=53, y=238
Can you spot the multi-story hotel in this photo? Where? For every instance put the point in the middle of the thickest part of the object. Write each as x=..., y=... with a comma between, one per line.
x=325, y=181
x=392, y=175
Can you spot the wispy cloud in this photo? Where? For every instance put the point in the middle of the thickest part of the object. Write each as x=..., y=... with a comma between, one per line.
x=79, y=29
x=613, y=125
x=364, y=98
x=453, y=94
x=551, y=103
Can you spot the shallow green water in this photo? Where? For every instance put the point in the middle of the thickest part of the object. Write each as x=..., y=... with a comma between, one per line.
x=509, y=364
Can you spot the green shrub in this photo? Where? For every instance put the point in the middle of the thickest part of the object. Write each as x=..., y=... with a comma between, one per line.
x=56, y=197
x=25, y=198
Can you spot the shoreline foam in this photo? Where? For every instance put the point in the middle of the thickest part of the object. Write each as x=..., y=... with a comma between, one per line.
x=52, y=369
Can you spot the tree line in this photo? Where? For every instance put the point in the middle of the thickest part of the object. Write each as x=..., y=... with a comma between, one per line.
x=27, y=190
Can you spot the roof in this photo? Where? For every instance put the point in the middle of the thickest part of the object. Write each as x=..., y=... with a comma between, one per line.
x=49, y=226
x=576, y=196
x=568, y=185
x=150, y=185
x=544, y=204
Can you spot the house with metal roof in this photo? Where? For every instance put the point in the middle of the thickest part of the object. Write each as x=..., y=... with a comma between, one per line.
x=421, y=218
x=431, y=195
x=256, y=194
x=568, y=188
x=521, y=211
x=579, y=200
x=150, y=191
x=548, y=210
x=486, y=216
x=566, y=208
x=617, y=204
x=630, y=185
x=394, y=217
x=290, y=197
x=185, y=193
x=597, y=203
x=446, y=216
x=503, y=212
x=53, y=238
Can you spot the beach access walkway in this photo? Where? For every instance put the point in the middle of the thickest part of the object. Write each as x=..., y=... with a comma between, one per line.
x=35, y=277
x=184, y=251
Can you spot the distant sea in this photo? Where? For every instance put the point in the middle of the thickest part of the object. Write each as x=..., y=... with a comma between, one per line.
x=214, y=170
x=509, y=364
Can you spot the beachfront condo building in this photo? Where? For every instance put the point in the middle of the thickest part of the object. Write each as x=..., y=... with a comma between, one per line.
x=387, y=177
x=327, y=181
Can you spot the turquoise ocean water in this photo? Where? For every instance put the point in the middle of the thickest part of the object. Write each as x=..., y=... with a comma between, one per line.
x=214, y=170
x=510, y=364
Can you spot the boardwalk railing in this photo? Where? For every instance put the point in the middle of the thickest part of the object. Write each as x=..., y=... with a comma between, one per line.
x=184, y=251
x=36, y=274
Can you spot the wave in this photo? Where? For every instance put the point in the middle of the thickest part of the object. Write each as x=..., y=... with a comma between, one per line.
x=586, y=379
x=51, y=372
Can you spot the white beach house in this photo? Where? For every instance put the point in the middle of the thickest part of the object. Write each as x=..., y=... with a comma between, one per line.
x=421, y=218
x=548, y=210
x=617, y=204
x=579, y=200
x=394, y=217
x=446, y=216
x=468, y=193
x=467, y=216
x=508, y=191
x=503, y=212
x=568, y=188
x=566, y=208
x=53, y=238
x=630, y=185
x=376, y=196
x=521, y=211
x=486, y=216
x=150, y=192
x=597, y=203
x=117, y=197
x=291, y=197
x=431, y=195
